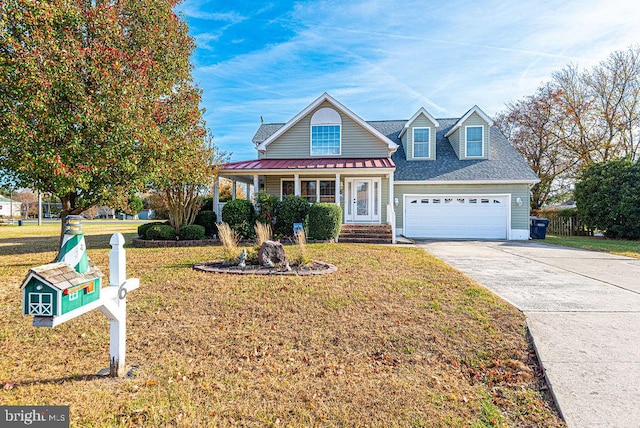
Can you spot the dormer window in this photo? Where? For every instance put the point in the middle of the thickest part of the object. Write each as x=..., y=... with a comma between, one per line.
x=421, y=142
x=326, y=125
x=474, y=141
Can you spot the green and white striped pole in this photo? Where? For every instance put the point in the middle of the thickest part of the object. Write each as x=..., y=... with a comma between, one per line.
x=73, y=250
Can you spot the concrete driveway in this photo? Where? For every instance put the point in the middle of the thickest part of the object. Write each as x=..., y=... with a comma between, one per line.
x=583, y=312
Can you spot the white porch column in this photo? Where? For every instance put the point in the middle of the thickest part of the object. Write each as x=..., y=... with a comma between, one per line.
x=338, y=189
x=392, y=202
x=234, y=189
x=391, y=195
x=296, y=185
x=256, y=187
x=216, y=197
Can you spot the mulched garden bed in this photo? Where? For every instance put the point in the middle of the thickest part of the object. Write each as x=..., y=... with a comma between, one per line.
x=147, y=243
x=315, y=268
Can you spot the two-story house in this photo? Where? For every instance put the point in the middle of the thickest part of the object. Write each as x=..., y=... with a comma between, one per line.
x=427, y=177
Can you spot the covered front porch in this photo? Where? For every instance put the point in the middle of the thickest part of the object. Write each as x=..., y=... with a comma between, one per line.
x=362, y=187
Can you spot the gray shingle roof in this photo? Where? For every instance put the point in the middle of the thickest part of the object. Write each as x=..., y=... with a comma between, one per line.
x=265, y=131
x=504, y=163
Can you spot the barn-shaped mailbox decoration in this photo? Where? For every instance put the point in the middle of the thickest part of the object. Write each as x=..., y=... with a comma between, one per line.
x=71, y=282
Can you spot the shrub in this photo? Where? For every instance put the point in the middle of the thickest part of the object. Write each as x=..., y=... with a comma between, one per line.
x=207, y=204
x=192, y=232
x=143, y=228
x=161, y=232
x=239, y=215
x=266, y=207
x=325, y=220
x=207, y=218
x=292, y=209
x=568, y=212
x=608, y=198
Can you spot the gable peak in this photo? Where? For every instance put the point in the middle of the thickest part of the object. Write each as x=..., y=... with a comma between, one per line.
x=421, y=111
x=339, y=107
x=475, y=109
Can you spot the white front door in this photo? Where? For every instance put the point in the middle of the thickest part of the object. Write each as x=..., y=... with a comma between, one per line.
x=363, y=197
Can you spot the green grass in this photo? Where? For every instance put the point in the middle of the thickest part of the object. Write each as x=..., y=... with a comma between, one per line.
x=613, y=246
x=491, y=416
x=395, y=338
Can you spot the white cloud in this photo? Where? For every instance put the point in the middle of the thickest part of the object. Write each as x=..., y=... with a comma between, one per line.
x=385, y=59
x=200, y=9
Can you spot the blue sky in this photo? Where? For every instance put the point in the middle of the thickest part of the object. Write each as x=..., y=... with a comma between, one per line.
x=386, y=59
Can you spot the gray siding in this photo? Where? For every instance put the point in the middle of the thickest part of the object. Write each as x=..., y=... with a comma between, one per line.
x=421, y=122
x=474, y=120
x=272, y=184
x=356, y=142
x=454, y=139
x=519, y=215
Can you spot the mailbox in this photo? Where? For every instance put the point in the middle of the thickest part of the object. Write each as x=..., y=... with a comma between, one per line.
x=55, y=289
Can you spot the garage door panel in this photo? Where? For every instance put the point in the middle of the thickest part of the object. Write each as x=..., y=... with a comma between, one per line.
x=474, y=216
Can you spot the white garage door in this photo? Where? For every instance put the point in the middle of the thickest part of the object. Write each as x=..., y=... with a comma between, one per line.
x=464, y=217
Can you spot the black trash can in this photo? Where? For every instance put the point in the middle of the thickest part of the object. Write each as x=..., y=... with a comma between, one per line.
x=19, y=222
x=538, y=227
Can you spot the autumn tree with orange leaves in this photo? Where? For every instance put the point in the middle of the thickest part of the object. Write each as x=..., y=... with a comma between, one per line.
x=191, y=159
x=531, y=126
x=577, y=119
x=83, y=84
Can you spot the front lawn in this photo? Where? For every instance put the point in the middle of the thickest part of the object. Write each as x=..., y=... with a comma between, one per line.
x=393, y=338
x=613, y=246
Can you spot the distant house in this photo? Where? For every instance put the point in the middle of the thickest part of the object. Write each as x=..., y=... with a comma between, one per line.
x=105, y=212
x=146, y=215
x=6, y=207
x=423, y=177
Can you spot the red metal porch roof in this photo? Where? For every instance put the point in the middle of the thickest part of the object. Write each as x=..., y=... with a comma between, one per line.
x=314, y=163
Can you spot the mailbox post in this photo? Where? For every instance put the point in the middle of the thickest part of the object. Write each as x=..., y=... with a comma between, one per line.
x=70, y=287
x=115, y=307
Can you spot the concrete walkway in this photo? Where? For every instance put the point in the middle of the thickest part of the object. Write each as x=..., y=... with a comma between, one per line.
x=583, y=312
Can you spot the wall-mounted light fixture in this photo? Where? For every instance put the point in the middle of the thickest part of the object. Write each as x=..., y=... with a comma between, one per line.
x=396, y=201
x=519, y=201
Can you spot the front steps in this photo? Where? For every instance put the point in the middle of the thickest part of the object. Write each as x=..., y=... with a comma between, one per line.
x=366, y=234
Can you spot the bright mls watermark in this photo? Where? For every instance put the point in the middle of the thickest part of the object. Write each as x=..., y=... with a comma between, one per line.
x=34, y=416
